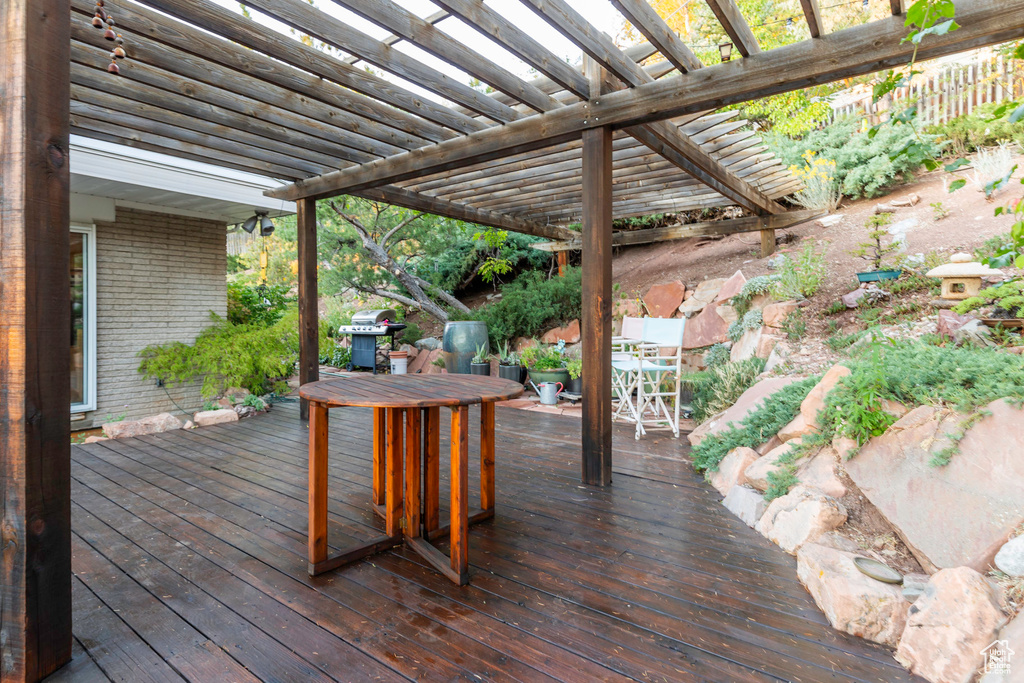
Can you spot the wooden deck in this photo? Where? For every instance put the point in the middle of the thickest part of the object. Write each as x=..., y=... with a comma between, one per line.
x=189, y=562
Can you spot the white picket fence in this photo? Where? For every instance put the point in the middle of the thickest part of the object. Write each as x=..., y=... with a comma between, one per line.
x=941, y=94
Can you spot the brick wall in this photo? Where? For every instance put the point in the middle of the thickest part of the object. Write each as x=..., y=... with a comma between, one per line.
x=158, y=277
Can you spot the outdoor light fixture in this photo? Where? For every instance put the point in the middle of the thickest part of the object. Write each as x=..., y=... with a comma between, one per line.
x=725, y=49
x=266, y=225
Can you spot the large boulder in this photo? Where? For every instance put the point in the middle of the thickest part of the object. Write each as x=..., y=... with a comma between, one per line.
x=205, y=418
x=155, y=424
x=766, y=344
x=706, y=292
x=800, y=517
x=950, y=625
x=757, y=473
x=1010, y=558
x=959, y=514
x=999, y=664
x=795, y=429
x=705, y=329
x=731, y=287
x=746, y=503
x=746, y=346
x=570, y=334
x=663, y=301
x=852, y=601
x=819, y=471
x=730, y=470
x=775, y=314
x=815, y=400
x=751, y=399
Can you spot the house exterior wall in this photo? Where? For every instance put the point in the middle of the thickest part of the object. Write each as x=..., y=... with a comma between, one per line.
x=158, y=277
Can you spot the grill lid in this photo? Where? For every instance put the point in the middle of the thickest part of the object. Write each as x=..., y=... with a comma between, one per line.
x=373, y=317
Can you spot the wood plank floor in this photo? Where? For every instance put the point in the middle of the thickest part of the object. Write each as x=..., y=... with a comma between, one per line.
x=189, y=563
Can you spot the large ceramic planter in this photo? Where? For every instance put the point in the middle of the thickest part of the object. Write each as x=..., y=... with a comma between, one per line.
x=459, y=344
x=878, y=275
x=540, y=376
x=515, y=373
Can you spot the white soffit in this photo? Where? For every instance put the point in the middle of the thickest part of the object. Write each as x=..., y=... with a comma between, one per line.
x=145, y=179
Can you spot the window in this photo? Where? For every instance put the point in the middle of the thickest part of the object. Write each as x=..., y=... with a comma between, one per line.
x=83, y=318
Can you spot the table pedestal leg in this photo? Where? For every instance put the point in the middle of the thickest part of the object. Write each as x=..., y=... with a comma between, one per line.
x=431, y=469
x=413, y=465
x=487, y=456
x=317, y=482
x=393, y=502
x=379, y=449
x=460, y=494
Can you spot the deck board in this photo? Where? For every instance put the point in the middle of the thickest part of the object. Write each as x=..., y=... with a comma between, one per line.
x=189, y=561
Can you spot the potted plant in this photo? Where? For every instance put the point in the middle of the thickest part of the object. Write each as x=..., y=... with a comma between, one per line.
x=546, y=364
x=481, y=363
x=875, y=251
x=575, y=369
x=999, y=305
x=509, y=366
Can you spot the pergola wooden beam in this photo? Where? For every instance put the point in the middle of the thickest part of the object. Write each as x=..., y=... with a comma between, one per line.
x=35, y=391
x=462, y=212
x=731, y=226
x=735, y=26
x=423, y=35
x=653, y=27
x=859, y=50
x=813, y=14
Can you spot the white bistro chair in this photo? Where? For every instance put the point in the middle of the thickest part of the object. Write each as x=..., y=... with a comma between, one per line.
x=651, y=378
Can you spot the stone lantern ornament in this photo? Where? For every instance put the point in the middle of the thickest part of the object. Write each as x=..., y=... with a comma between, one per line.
x=961, y=278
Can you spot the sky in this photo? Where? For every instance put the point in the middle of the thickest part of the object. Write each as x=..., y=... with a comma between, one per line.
x=599, y=13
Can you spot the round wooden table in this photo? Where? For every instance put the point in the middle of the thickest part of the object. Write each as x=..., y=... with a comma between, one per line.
x=406, y=437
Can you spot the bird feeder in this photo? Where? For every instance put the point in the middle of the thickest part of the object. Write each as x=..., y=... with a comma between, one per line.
x=961, y=278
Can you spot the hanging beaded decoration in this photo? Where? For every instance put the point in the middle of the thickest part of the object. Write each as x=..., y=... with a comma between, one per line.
x=104, y=20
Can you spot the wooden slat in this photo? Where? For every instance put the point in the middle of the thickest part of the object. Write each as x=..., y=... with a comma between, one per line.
x=431, y=469
x=648, y=22
x=813, y=13
x=395, y=471
x=309, y=301
x=35, y=493
x=729, y=226
x=596, y=323
x=854, y=51
x=413, y=471
x=198, y=54
x=380, y=458
x=735, y=25
x=462, y=212
x=422, y=33
x=407, y=111
x=434, y=18
x=489, y=22
x=304, y=17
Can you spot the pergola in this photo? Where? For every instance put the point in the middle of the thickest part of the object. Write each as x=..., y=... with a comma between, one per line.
x=624, y=136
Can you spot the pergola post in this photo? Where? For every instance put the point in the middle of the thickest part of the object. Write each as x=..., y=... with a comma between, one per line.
x=35, y=305
x=309, y=317
x=597, y=306
x=767, y=239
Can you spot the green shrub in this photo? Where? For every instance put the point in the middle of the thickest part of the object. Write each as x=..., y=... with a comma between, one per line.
x=794, y=326
x=718, y=387
x=717, y=355
x=977, y=130
x=917, y=374
x=410, y=335
x=1007, y=299
x=254, y=401
x=256, y=305
x=755, y=286
x=531, y=304
x=863, y=165
x=256, y=357
x=758, y=426
x=801, y=276
x=751, y=320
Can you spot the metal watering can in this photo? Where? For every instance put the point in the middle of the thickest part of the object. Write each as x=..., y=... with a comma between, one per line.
x=549, y=392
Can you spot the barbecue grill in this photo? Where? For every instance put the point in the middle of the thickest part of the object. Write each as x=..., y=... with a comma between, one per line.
x=366, y=327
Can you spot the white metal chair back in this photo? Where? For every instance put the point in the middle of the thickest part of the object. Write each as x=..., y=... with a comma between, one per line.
x=653, y=374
